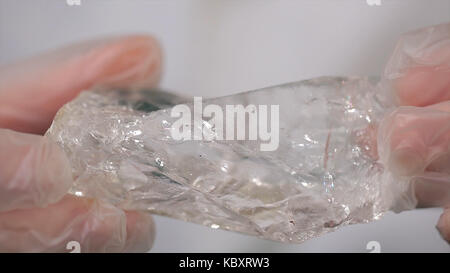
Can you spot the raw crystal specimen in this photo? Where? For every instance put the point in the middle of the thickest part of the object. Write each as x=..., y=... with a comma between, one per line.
x=324, y=174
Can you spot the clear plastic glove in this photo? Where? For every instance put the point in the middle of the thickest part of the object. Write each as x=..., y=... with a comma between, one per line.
x=36, y=213
x=414, y=140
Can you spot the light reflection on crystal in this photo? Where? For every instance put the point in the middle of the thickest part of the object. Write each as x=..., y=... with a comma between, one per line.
x=224, y=167
x=159, y=162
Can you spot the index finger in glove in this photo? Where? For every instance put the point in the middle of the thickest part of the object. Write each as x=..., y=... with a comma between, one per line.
x=32, y=91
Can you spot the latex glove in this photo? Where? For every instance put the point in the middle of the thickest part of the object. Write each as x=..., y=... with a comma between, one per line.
x=414, y=140
x=36, y=214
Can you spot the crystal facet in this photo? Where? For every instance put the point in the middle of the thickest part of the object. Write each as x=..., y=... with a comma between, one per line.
x=324, y=174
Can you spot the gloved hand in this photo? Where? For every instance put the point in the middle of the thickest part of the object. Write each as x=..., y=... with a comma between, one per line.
x=414, y=140
x=36, y=213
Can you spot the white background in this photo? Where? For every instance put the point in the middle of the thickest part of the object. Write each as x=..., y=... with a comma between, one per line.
x=216, y=48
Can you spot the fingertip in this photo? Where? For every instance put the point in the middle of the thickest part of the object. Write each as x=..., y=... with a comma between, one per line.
x=140, y=232
x=129, y=62
x=443, y=225
x=423, y=86
x=102, y=228
x=419, y=68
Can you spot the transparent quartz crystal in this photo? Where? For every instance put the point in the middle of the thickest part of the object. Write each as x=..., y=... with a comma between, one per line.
x=324, y=174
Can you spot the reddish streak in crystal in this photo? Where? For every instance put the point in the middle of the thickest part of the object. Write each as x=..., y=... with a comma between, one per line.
x=325, y=158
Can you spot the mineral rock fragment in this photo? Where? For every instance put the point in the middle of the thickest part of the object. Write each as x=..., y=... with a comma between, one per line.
x=323, y=174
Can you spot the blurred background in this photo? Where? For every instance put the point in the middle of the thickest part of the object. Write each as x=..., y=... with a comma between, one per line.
x=215, y=48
